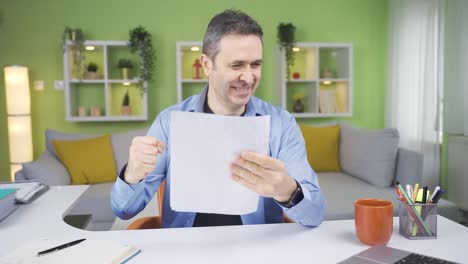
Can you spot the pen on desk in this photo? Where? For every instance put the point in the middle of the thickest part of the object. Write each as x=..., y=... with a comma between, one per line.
x=415, y=191
x=438, y=195
x=436, y=190
x=424, y=198
x=60, y=247
x=409, y=191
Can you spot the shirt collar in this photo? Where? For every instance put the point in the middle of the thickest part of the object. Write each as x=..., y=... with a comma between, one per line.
x=200, y=101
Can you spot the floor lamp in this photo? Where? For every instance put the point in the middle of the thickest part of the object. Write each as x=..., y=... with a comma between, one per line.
x=19, y=116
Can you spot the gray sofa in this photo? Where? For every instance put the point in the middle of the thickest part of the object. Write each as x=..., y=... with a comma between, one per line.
x=370, y=160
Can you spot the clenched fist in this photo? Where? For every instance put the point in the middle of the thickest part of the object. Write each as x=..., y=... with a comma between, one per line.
x=142, y=158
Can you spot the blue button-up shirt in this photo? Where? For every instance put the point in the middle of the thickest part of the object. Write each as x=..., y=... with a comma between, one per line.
x=286, y=144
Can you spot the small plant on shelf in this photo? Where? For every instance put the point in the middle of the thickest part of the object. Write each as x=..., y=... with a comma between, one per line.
x=141, y=41
x=125, y=65
x=91, y=71
x=298, y=106
x=76, y=37
x=287, y=41
x=125, y=109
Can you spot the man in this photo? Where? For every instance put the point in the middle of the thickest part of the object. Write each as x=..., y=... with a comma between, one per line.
x=232, y=60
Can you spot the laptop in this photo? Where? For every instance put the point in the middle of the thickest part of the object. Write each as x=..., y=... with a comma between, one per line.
x=388, y=255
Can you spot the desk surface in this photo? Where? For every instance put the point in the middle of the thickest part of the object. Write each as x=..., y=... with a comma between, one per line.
x=332, y=242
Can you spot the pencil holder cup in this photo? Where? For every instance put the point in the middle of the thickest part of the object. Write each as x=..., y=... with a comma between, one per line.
x=418, y=221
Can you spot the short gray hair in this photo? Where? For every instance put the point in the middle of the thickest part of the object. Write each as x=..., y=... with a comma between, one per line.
x=228, y=22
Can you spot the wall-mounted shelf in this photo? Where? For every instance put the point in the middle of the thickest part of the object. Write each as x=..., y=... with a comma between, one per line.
x=103, y=90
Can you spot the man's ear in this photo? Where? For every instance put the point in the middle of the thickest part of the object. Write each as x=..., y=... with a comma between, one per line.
x=207, y=64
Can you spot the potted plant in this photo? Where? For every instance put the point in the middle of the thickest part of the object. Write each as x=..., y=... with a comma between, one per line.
x=298, y=106
x=287, y=41
x=76, y=37
x=140, y=41
x=125, y=65
x=91, y=71
x=125, y=109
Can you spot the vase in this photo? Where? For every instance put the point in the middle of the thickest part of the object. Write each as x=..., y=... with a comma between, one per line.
x=298, y=107
x=124, y=73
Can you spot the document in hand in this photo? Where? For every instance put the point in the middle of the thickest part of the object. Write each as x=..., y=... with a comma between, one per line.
x=202, y=147
x=89, y=251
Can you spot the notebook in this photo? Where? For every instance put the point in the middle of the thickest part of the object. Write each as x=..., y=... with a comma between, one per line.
x=389, y=255
x=89, y=251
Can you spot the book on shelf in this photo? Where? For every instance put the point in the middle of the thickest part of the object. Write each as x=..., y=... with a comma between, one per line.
x=89, y=251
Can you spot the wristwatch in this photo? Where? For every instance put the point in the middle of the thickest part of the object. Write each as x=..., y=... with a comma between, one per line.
x=296, y=197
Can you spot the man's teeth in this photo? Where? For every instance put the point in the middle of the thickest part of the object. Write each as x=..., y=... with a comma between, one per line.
x=241, y=88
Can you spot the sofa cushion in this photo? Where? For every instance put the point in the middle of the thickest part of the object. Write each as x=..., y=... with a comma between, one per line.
x=57, y=135
x=369, y=155
x=47, y=169
x=322, y=147
x=87, y=160
x=120, y=142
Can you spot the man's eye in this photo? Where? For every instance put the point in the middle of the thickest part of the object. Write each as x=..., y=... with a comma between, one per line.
x=256, y=65
x=236, y=66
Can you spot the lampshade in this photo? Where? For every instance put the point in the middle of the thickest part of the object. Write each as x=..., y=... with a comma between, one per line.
x=19, y=119
x=17, y=90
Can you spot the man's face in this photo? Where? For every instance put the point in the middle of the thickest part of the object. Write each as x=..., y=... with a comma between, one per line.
x=235, y=73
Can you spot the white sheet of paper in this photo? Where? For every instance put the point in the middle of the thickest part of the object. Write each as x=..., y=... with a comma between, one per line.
x=202, y=147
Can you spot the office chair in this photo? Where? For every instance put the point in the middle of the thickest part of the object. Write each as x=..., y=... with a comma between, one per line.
x=152, y=222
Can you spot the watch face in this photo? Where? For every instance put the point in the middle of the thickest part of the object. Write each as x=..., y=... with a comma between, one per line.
x=297, y=196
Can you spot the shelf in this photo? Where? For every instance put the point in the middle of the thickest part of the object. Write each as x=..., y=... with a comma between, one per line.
x=87, y=81
x=106, y=94
x=106, y=118
x=187, y=69
x=321, y=76
x=301, y=81
x=195, y=81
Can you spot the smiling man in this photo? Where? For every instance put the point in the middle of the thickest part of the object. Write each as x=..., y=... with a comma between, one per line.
x=232, y=59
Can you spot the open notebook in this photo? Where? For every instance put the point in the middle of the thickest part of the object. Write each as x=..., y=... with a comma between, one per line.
x=89, y=251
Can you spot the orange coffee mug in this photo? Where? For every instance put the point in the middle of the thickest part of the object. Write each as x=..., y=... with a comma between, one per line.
x=374, y=221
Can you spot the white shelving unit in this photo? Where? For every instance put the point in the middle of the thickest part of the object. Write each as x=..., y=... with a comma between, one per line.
x=107, y=90
x=322, y=72
x=187, y=85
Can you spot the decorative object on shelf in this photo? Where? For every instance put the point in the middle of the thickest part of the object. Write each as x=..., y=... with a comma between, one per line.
x=287, y=40
x=140, y=41
x=196, y=69
x=328, y=73
x=95, y=111
x=296, y=75
x=76, y=36
x=125, y=66
x=298, y=106
x=126, y=109
x=82, y=111
x=91, y=71
x=18, y=104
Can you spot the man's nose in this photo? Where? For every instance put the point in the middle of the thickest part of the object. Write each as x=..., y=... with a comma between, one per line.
x=248, y=76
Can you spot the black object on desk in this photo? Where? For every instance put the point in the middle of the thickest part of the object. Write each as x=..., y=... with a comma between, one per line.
x=79, y=221
x=63, y=246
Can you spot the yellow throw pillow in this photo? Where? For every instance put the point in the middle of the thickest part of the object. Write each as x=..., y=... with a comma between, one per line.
x=322, y=145
x=87, y=160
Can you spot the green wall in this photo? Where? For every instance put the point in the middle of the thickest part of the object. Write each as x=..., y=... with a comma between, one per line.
x=31, y=31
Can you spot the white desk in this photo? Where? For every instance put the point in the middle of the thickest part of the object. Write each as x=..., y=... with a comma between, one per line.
x=332, y=242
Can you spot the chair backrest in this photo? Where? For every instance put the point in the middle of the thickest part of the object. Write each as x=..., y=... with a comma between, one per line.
x=161, y=196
